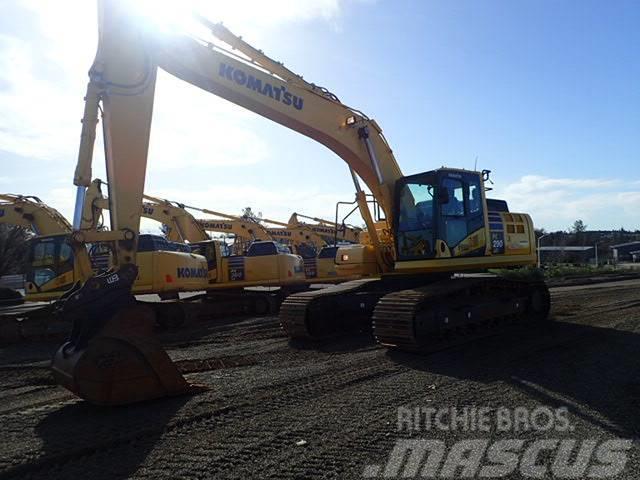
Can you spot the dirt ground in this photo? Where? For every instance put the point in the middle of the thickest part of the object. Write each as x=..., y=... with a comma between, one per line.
x=276, y=410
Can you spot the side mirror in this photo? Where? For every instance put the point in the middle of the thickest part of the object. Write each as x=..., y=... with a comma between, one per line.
x=443, y=195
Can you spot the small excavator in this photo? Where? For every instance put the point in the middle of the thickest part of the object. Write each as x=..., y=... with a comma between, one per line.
x=439, y=222
x=331, y=232
x=318, y=255
x=347, y=252
x=31, y=213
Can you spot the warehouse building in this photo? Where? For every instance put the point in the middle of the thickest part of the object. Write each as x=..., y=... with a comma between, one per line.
x=623, y=252
x=567, y=254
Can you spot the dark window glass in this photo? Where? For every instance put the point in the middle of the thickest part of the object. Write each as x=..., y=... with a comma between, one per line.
x=455, y=206
x=258, y=249
x=328, y=252
x=415, y=222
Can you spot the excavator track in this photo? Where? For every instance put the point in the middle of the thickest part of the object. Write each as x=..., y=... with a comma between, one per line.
x=457, y=310
x=313, y=315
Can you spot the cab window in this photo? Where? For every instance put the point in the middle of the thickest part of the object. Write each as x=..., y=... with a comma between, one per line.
x=416, y=221
x=258, y=249
x=66, y=252
x=455, y=190
x=475, y=198
x=328, y=252
x=44, y=253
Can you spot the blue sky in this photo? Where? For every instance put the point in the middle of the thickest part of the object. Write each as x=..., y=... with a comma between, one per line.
x=544, y=93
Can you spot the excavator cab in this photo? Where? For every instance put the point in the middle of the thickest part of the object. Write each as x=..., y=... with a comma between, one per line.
x=442, y=215
x=50, y=267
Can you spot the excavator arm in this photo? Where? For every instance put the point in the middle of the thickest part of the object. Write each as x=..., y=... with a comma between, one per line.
x=298, y=235
x=122, y=81
x=242, y=227
x=32, y=213
x=181, y=225
x=329, y=231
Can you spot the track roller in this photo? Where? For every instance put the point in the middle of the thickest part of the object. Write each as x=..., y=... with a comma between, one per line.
x=444, y=313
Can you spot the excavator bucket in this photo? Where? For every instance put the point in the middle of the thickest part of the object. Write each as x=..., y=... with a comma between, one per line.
x=112, y=357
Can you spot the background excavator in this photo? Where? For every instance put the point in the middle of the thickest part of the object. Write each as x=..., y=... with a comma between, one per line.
x=32, y=213
x=166, y=266
x=439, y=221
x=326, y=260
x=331, y=232
x=52, y=268
x=316, y=249
x=184, y=234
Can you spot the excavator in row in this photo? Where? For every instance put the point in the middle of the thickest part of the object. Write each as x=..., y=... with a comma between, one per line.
x=436, y=225
x=331, y=232
x=252, y=237
x=316, y=244
x=166, y=266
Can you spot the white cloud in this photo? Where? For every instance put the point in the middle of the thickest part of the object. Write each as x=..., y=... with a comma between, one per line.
x=43, y=77
x=554, y=203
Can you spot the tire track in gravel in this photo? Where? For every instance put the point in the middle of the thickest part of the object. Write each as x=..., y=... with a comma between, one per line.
x=341, y=402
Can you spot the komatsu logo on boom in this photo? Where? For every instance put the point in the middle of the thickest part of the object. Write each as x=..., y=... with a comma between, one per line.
x=217, y=226
x=279, y=94
x=186, y=272
x=279, y=233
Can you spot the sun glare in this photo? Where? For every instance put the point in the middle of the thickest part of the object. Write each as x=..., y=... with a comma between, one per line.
x=168, y=15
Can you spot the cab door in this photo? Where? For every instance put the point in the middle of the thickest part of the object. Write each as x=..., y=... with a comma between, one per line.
x=461, y=215
x=415, y=219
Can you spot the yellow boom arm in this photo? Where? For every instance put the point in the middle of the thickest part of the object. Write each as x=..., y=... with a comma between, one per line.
x=32, y=213
x=122, y=79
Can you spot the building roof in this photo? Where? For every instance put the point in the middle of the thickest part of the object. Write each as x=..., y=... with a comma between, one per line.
x=628, y=244
x=566, y=248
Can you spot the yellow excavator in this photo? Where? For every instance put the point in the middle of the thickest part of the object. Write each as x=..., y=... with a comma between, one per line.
x=32, y=213
x=255, y=268
x=347, y=251
x=51, y=269
x=325, y=260
x=166, y=266
x=318, y=256
x=331, y=232
x=440, y=222
x=244, y=230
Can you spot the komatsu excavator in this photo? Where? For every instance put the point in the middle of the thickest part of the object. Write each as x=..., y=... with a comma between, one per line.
x=244, y=230
x=51, y=269
x=440, y=221
x=32, y=213
x=319, y=258
x=347, y=251
x=224, y=271
x=331, y=232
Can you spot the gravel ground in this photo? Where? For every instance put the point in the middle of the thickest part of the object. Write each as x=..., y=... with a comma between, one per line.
x=276, y=410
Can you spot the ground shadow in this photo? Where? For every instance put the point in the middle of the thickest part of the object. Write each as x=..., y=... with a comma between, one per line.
x=347, y=342
x=557, y=363
x=117, y=439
